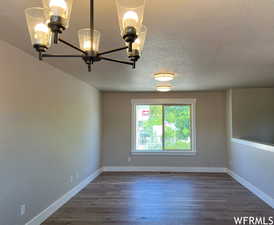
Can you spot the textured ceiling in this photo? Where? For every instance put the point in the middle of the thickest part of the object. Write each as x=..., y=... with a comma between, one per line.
x=210, y=44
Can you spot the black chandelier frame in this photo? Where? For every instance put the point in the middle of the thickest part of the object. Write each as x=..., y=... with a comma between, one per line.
x=90, y=57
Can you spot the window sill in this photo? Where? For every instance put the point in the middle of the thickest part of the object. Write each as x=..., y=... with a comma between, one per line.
x=170, y=153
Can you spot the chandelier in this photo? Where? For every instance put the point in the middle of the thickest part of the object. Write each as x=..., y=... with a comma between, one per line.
x=53, y=19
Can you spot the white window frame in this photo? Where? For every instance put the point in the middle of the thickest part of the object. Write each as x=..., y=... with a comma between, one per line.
x=162, y=101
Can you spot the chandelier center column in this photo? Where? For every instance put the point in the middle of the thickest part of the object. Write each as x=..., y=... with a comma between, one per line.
x=91, y=22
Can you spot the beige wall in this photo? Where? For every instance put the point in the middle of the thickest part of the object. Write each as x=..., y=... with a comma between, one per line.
x=253, y=164
x=50, y=130
x=211, y=130
x=253, y=114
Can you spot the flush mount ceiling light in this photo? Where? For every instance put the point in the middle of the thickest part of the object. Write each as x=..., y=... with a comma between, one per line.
x=164, y=77
x=163, y=87
x=53, y=19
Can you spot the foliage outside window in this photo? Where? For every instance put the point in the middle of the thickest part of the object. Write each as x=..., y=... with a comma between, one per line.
x=163, y=127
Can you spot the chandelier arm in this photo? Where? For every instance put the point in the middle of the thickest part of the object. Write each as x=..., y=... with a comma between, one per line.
x=61, y=56
x=118, y=61
x=72, y=46
x=114, y=50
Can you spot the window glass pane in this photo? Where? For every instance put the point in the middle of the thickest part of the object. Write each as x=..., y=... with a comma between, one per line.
x=177, y=127
x=149, y=127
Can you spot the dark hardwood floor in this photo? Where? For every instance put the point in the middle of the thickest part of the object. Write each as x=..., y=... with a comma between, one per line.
x=160, y=199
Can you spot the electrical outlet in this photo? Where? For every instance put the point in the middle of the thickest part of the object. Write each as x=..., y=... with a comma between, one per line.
x=22, y=209
x=71, y=179
x=77, y=175
x=129, y=159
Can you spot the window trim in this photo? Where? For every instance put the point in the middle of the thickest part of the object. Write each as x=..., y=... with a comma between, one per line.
x=163, y=101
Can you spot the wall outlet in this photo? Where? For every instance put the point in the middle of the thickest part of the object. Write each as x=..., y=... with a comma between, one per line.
x=71, y=179
x=77, y=175
x=129, y=159
x=22, y=209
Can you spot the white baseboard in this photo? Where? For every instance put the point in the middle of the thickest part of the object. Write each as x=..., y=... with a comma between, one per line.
x=41, y=217
x=165, y=169
x=263, y=196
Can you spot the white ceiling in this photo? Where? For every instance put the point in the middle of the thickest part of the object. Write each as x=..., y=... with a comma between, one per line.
x=210, y=44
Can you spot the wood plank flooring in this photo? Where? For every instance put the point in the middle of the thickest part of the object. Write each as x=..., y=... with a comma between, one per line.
x=160, y=199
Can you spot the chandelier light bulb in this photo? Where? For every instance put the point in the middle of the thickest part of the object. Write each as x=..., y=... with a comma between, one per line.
x=131, y=15
x=164, y=77
x=86, y=46
x=136, y=44
x=40, y=27
x=58, y=3
x=41, y=34
x=163, y=88
x=58, y=8
x=130, y=19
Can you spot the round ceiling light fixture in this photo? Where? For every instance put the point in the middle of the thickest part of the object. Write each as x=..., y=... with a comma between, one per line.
x=163, y=87
x=164, y=76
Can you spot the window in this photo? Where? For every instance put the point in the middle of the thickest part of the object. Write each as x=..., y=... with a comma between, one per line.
x=163, y=126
